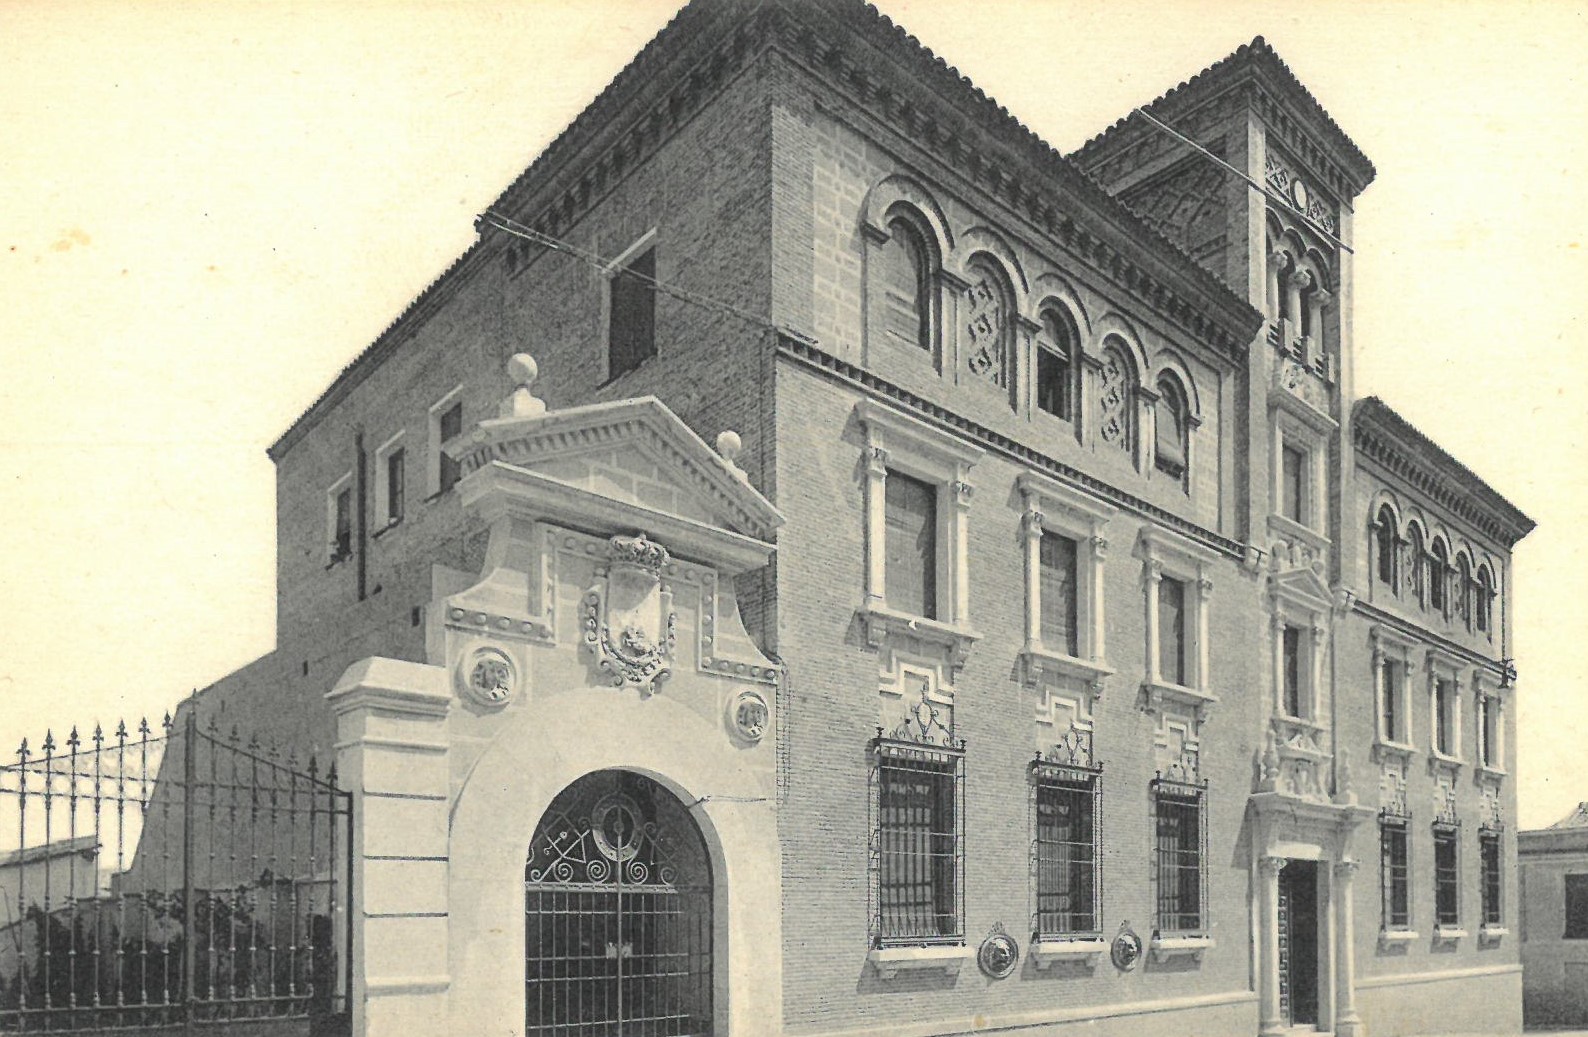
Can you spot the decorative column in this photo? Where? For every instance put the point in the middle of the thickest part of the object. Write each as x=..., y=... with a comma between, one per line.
x=1320, y=637
x=1270, y=1021
x=1204, y=593
x=1152, y=576
x=876, y=525
x=1032, y=528
x=960, y=535
x=1347, y=1023
x=1278, y=260
x=1094, y=615
x=1320, y=300
x=1295, y=284
x=392, y=751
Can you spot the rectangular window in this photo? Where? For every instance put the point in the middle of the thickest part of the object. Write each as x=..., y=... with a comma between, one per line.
x=918, y=844
x=394, y=487
x=1060, y=628
x=1390, y=712
x=1489, y=733
x=1066, y=851
x=1576, y=908
x=1293, y=467
x=1443, y=705
x=1292, y=670
x=1489, y=849
x=1179, y=856
x=1447, y=878
x=911, y=565
x=631, y=331
x=1171, y=630
x=1053, y=382
x=450, y=425
x=1397, y=910
x=342, y=525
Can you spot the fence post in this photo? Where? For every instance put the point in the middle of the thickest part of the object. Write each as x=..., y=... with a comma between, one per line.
x=189, y=848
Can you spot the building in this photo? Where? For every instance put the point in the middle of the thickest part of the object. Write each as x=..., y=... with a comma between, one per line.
x=1552, y=868
x=1051, y=638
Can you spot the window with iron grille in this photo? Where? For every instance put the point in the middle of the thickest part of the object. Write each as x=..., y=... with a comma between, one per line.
x=1489, y=851
x=918, y=836
x=1447, y=877
x=1396, y=878
x=1067, y=855
x=1181, y=855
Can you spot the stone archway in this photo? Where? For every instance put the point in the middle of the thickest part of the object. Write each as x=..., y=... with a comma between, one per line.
x=617, y=914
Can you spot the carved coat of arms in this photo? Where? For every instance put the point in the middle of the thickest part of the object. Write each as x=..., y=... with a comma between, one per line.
x=630, y=625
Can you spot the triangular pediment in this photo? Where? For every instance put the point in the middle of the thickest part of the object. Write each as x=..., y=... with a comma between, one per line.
x=635, y=451
x=1302, y=584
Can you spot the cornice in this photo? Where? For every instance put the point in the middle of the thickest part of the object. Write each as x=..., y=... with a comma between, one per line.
x=1383, y=436
x=1422, y=637
x=1271, y=89
x=808, y=354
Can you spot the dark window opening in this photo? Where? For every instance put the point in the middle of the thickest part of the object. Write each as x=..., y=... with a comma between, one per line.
x=918, y=844
x=1055, y=357
x=1293, y=465
x=1576, y=908
x=342, y=533
x=906, y=285
x=1172, y=426
x=1489, y=849
x=1385, y=545
x=1443, y=703
x=910, y=576
x=1060, y=626
x=1390, y=707
x=451, y=426
x=1171, y=630
x=1396, y=880
x=1447, y=879
x=1179, y=857
x=1438, y=578
x=1066, y=851
x=631, y=331
x=394, y=487
x=1292, y=670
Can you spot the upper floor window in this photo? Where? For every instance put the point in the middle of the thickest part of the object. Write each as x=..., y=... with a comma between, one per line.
x=1064, y=533
x=1576, y=908
x=1464, y=589
x=449, y=425
x=1439, y=577
x=1171, y=428
x=1414, y=579
x=911, y=545
x=1444, y=710
x=1395, y=878
x=1485, y=599
x=1293, y=481
x=1181, y=848
x=1178, y=592
x=1172, y=630
x=1060, y=614
x=1292, y=662
x=1392, y=701
x=1068, y=854
x=1491, y=753
x=339, y=502
x=1386, y=546
x=631, y=312
x=1056, y=356
x=906, y=280
x=1116, y=400
x=390, y=482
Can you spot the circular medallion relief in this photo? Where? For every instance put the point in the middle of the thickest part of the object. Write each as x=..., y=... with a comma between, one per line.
x=998, y=956
x=749, y=715
x=1298, y=194
x=615, y=827
x=489, y=676
x=1126, y=950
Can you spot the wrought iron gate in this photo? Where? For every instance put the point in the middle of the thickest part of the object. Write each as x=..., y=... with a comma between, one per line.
x=170, y=877
x=617, y=914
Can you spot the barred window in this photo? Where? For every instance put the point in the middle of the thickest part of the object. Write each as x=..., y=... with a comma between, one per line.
x=911, y=545
x=1489, y=851
x=1181, y=849
x=1058, y=574
x=918, y=840
x=1396, y=880
x=1068, y=863
x=1447, y=877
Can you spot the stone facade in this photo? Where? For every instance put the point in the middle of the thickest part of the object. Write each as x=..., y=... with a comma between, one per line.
x=603, y=591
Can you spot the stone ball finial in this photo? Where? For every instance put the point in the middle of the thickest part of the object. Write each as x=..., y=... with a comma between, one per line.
x=730, y=446
x=522, y=402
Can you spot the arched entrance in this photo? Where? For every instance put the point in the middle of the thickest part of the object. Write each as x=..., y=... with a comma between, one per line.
x=617, y=914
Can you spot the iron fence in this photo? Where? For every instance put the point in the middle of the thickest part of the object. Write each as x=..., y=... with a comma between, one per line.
x=170, y=877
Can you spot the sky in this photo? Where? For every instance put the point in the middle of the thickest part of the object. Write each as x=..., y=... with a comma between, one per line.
x=207, y=209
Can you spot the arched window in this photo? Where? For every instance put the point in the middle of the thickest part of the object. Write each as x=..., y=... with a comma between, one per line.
x=1116, y=400
x=1172, y=426
x=906, y=284
x=1439, y=578
x=1485, y=592
x=1056, y=359
x=989, y=321
x=1385, y=536
x=1464, y=590
x=1414, y=578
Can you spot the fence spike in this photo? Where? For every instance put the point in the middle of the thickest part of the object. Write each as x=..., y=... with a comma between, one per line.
x=236, y=736
x=99, y=735
x=121, y=730
x=72, y=741
x=143, y=725
x=253, y=741
x=22, y=750
x=314, y=767
x=166, y=722
x=331, y=774
x=49, y=741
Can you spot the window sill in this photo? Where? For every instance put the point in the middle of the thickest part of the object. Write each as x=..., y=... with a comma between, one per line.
x=1165, y=948
x=1448, y=934
x=1438, y=761
x=1484, y=770
x=1039, y=663
x=1284, y=524
x=945, y=958
x=337, y=560
x=1391, y=937
x=881, y=622
x=1492, y=933
x=1384, y=750
x=387, y=528
x=1045, y=952
x=1157, y=693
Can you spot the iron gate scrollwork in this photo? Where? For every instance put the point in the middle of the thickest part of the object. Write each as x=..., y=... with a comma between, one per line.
x=169, y=876
x=617, y=914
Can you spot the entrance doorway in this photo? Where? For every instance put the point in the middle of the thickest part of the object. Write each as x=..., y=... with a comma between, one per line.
x=617, y=914
x=1298, y=943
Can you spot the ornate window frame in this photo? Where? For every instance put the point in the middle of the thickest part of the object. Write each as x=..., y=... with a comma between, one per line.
x=1391, y=931
x=1441, y=666
x=1389, y=646
x=1176, y=941
x=1491, y=895
x=1051, y=506
x=896, y=441
x=1070, y=764
x=1163, y=553
x=1488, y=712
x=1447, y=831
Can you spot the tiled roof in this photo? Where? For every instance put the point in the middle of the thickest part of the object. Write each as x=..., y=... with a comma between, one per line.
x=1254, y=55
x=1576, y=819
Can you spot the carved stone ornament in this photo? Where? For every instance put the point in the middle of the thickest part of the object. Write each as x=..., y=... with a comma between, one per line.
x=629, y=622
x=749, y=715
x=999, y=954
x=488, y=677
x=1126, y=949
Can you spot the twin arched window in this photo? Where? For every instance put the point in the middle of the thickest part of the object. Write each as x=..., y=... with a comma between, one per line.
x=1414, y=581
x=1172, y=428
x=1385, y=538
x=906, y=265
